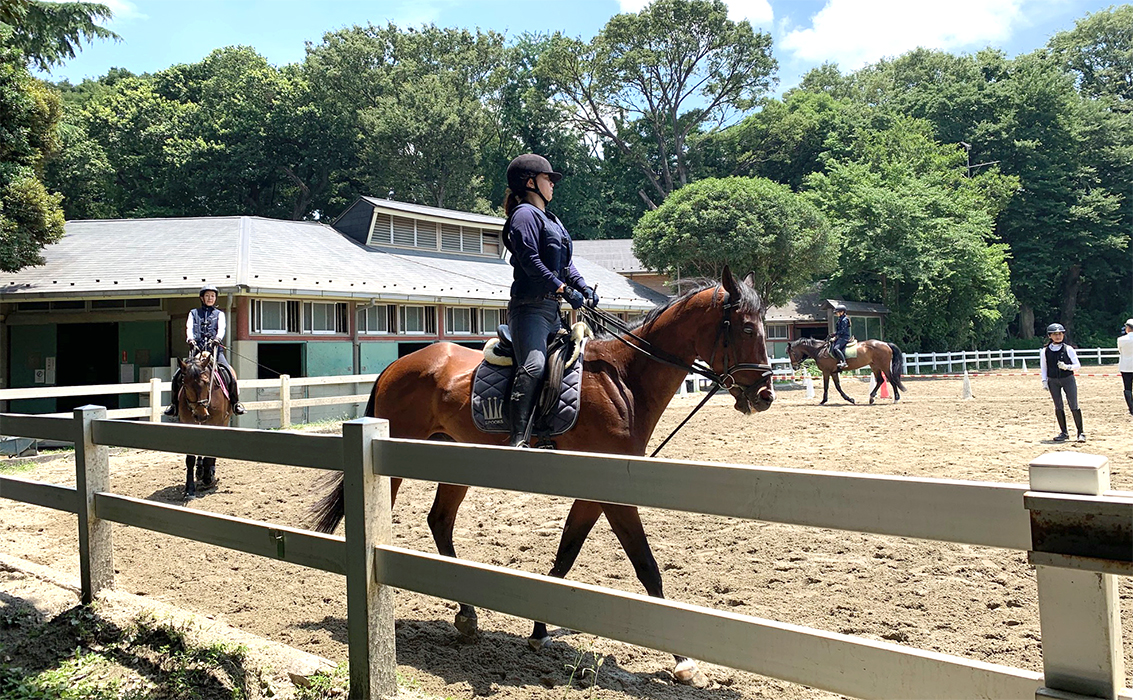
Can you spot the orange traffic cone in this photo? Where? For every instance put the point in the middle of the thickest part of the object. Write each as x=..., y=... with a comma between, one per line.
x=884, y=392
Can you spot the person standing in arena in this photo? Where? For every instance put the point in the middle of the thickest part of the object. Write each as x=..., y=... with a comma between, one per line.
x=1057, y=364
x=1125, y=362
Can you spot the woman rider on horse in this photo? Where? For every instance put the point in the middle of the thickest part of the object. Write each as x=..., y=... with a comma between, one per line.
x=204, y=327
x=841, y=335
x=543, y=277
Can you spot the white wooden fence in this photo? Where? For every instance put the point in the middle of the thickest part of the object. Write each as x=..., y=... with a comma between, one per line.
x=154, y=389
x=1077, y=533
x=935, y=362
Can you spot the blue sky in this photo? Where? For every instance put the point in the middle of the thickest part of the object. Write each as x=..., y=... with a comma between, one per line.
x=159, y=33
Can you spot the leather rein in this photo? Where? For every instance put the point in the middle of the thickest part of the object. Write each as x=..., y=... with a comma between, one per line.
x=726, y=380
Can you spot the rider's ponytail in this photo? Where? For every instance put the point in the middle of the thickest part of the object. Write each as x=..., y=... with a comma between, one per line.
x=511, y=201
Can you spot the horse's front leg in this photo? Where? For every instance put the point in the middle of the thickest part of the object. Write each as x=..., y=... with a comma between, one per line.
x=625, y=521
x=442, y=519
x=208, y=472
x=579, y=522
x=838, y=386
x=878, y=379
x=825, y=387
x=190, y=477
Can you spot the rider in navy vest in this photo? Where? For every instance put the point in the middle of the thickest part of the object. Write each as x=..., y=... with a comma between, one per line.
x=1057, y=364
x=205, y=325
x=841, y=335
x=543, y=278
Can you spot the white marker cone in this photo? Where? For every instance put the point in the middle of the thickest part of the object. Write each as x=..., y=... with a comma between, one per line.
x=966, y=389
x=808, y=383
x=1024, y=366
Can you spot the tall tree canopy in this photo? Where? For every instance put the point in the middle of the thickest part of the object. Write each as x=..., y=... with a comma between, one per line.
x=676, y=67
x=48, y=33
x=751, y=224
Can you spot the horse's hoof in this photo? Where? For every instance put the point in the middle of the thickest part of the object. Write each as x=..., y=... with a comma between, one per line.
x=688, y=673
x=822, y=402
x=467, y=625
x=852, y=401
x=538, y=643
x=871, y=402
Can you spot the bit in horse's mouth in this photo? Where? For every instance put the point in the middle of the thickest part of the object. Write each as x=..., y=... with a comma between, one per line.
x=762, y=400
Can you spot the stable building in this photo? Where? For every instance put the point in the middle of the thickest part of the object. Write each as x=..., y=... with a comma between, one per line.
x=302, y=298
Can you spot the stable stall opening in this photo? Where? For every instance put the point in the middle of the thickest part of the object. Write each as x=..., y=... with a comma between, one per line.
x=86, y=353
x=280, y=358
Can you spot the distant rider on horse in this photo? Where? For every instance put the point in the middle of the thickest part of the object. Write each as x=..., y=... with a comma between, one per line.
x=203, y=330
x=544, y=277
x=841, y=336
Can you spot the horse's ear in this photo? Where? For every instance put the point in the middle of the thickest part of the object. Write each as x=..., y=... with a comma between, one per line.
x=750, y=280
x=183, y=364
x=727, y=280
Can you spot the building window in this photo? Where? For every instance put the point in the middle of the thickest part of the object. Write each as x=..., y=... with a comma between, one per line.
x=778, y=331
x=377, y=320
x=417, y=320
x=864, y=327
x=492, y=319
x=324, y=317
x=461, y=321
x=270, y=316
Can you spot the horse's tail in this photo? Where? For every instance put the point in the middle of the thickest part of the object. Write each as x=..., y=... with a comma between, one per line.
x=897, y=367
x=330, y=509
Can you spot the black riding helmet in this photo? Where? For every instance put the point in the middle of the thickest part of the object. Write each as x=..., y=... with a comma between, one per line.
x=1055, y=328
x=524, y=167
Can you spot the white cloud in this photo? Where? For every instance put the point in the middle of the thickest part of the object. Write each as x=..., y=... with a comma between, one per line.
x=123, y=9
x=758, y=12
x=856, y=32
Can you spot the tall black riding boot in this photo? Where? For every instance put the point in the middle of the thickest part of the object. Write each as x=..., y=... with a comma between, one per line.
x=1129, y=401
x=1060, y=415
x=1077, y=413
x=171, y=409
x=234, y=394
x=522, y=408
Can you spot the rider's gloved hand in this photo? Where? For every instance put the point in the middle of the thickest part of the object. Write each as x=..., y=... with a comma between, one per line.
x=1045, y=385
x=573, y=297
x=1063, y=366
x=590, y=296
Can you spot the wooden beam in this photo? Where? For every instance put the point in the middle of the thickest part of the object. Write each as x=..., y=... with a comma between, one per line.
x=968, y=512
x=838, y=663
x=92, y=474
x=275, y=447
x=292, y=545
x=36, y=493
x=44, y=428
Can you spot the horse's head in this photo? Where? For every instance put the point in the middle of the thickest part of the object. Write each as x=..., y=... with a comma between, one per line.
x=795, y=354
x=739, y=354
x=197, y=381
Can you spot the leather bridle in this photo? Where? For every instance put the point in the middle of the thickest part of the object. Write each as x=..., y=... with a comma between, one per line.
x=724, y=380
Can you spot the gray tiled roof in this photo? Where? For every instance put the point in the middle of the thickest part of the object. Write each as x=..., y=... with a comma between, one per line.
x=811, y=306
x=169, y=257
x=410, y=208
x=613, y=254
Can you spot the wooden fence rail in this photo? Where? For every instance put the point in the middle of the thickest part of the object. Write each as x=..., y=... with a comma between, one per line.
x=1060, y=520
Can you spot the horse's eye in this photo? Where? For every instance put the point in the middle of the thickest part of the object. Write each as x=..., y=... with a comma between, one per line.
x=749, y=329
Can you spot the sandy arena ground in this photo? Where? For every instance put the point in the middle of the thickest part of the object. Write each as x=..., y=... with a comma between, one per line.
x=969, y=601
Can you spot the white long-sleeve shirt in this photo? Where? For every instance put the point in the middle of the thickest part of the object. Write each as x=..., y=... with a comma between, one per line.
x=1075, y=365
x=1125, y=352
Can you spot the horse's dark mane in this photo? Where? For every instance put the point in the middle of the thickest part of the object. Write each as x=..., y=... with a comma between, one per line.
x=749, y=303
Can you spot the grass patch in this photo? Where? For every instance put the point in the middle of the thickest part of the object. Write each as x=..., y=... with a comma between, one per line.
x=80, y=656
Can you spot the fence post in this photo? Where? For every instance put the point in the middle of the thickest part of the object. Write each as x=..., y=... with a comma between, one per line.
x=92, y=474
x=1079, y=611
x=285, y=400
x=369, y=604
x=155, y=400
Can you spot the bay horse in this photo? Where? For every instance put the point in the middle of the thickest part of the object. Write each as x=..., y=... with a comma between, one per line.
x=201, y=401
x=885, y=359
x=427, y=395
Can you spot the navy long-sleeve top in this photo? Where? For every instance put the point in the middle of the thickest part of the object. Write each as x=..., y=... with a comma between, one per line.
x=541, y=252
x=842, y=328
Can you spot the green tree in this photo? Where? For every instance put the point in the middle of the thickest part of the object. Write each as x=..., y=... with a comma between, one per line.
x=751, y=224
x=674, y=69
x=1099, y=52
x=47, y=34
x=30, y=216
x=917, y=234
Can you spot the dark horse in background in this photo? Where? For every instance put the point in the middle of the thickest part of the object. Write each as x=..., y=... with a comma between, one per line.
x=202, y=401
x=881, y=357
x=427, y=395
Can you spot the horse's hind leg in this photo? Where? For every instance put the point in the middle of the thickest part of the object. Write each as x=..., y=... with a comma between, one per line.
x=442, y=519
x=208, y=472
x=625, y=521
x=190, y=477
x=579, y=522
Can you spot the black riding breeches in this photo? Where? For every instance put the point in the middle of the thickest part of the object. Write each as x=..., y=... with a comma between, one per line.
x=1127, y=380
x=1058, y=386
